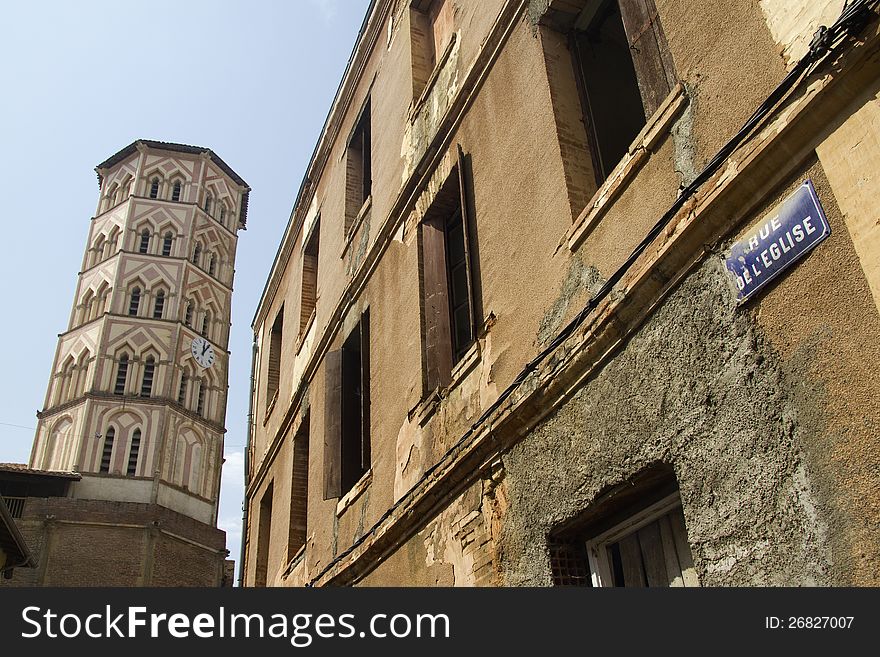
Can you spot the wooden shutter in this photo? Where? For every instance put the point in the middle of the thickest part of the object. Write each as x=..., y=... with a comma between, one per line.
x=650, y=52
x=438, y=340
x=333, y=424
x=466, y=229
x=365, y=392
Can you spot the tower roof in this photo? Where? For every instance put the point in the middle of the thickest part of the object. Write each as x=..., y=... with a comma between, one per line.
x=177, y=148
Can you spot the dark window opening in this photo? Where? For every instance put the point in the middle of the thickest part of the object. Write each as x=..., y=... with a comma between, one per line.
x=159, y=307
x=188, y=314
x=624, y=71
x=135, y=303
x=359, y=174
x=181, y=393
x=175, y=191
x=121, y=375
x=144, y=246
x=147, y=381
x=447, y=281
x=166, y=244
x=133, y=452
x=107, y=454
x=154, y=188
x=347, y=405
x=200, y=404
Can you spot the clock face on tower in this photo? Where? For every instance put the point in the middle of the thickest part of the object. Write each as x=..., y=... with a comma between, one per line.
x=203, y=352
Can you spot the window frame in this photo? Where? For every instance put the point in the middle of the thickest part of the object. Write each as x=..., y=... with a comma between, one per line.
x=654, y=70
x=359, y=168
x=597, y=546
x=159, y=304
x=134, y=449
x=107, y=450
x=442, y=350
x=148, y=377
x=134, y=301
x=120, y=383
x=347, y=436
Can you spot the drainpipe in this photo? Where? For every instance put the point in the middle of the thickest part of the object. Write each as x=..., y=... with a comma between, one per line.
x=247, y=452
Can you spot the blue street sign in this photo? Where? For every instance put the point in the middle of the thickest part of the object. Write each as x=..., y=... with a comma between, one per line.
x=793, y=229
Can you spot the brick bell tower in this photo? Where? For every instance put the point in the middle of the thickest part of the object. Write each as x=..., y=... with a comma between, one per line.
x=136, y=401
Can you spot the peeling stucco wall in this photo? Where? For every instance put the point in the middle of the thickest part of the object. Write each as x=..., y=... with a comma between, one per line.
x=794, y=22
x=699, y=388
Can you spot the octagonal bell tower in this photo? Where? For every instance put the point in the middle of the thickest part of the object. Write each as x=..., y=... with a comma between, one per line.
x=136, y=400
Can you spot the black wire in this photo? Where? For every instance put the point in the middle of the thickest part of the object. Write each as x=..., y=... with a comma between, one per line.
x=822, y=42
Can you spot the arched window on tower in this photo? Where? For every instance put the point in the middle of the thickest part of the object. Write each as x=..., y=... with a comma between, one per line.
x=121, y=375
x=212, y=266
x=223, y=214
x=197, y=253
x=86, y=307
x=133, y=453
x=167, y=241
x=159, y=306
x=147, y=381
x=200, y=405
x=110, y=199
x=175, y=191
x=112, y=242
x=181, y=391
x=188, y=314
x=82, y=374
x=64, y=393
x=97, y=253
x=135, y=302
x=206, y=323
x=107, y=453
x=126, y=189
x=144, y=245
x=209, y=202
x=154, y=187
x=103, y=299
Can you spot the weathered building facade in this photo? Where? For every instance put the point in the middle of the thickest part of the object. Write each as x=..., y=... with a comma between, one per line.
x=480, y=359
x=136, y=403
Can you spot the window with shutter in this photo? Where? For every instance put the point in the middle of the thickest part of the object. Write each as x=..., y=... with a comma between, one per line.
x=107, y=453
x=448, y=279
x=633, y=535
x=358, y=168
x=624, y=72
x=299, y=491
x=347, y=450
x=121, y=375
x=133, y=452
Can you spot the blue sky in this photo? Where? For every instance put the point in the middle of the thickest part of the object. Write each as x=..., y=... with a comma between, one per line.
x=251, y=80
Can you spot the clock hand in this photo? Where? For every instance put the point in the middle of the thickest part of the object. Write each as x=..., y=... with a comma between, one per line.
x=205, y=348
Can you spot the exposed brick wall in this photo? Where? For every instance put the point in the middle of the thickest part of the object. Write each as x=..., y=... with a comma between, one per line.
x=100, y=543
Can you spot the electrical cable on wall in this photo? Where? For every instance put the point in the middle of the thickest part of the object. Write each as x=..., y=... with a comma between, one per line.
x=853, y=16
